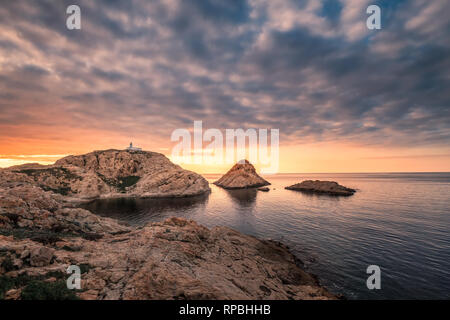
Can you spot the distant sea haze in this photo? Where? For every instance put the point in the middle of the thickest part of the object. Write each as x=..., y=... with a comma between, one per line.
x=398, y=221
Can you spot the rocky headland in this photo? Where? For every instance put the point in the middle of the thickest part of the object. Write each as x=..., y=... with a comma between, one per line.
x=241, y=176
x=322, y=187
x=109, y=174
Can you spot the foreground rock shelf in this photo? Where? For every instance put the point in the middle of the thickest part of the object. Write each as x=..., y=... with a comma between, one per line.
x=322, y=187
x=175, y=259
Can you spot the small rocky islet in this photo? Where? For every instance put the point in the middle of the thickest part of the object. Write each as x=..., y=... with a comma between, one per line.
x=322, y=187
x=243, y=176
x=42, y=232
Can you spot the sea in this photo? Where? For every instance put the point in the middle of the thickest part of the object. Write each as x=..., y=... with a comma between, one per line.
x=399, y=222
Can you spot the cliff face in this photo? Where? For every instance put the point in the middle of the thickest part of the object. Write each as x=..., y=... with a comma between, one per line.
x=111, y=173
x=241, y=176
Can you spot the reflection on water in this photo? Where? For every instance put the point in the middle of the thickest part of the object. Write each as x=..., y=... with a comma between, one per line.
x=318, y=196
x=399, y=222
x=244, y=198
x=141, y=211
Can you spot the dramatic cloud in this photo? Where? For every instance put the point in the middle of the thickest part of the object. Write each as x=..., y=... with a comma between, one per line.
x=310, y=68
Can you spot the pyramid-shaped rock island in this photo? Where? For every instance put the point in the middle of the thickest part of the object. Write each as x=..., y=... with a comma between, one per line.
x=241, y=176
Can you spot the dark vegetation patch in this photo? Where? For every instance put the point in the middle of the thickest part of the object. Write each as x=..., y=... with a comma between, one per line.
x=266, y=290
x=110, y=182
x=71, y=248
x=92, y=236
x=49, y=238
x=36, y=288
x=117, y=233
x=46, y=239
x=7, y=264
x=61, y=190
x=125, y=182
x=42, y=290
x=13, y=217
x=58, y=172
x=121, y=183
x=85, y=267
x=57, y=228
x=42, y=236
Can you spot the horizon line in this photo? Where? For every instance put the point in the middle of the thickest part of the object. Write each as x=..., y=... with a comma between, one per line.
x=271, y=174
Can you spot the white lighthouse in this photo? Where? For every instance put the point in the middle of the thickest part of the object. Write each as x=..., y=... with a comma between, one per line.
x=131, y=148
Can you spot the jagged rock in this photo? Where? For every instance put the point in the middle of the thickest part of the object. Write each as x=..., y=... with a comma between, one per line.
x=242, y=175
x=107, y=174
x=25, y=253
x=17, y=263
x=13, y=294
x=324, y=187
x=264, y=189
x=41, y=256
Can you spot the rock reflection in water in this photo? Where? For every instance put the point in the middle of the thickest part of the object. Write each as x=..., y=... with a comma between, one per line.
x=243, y=198
x=139, y=211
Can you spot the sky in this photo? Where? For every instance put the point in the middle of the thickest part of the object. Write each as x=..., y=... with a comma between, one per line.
x=344, y=98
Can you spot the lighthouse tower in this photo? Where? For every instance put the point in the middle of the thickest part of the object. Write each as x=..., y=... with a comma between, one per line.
x=131, y=148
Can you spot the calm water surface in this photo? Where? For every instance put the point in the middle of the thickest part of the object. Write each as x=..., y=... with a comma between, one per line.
x=400, y=222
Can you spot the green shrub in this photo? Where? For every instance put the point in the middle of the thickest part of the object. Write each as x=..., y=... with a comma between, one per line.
x=7, y=264
x=35, y=288
x=58, y=172
x=61, y=190
x=42, y=290
x=125, y=182
x=120, y=183
x=38, y=235
x=6, y=283
x=84, y=267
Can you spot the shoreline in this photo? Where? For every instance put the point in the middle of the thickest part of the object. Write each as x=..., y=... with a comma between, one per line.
x=81, y=201
x=44, y=229
x=187, y=260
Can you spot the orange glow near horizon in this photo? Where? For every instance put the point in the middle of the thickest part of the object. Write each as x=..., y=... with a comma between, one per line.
x=303, y=158
x=329, y=158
